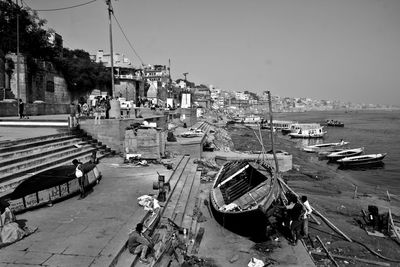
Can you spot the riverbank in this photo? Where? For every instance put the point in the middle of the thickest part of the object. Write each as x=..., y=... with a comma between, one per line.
x=332, y=193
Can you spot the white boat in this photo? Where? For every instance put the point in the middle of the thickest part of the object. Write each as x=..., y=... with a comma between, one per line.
x=309, y=133
x=362, y=160
x=345, y=153
x=325, y=146
x=295, y=127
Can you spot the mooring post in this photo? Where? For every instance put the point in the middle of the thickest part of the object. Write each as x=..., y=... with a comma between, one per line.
x=355, y=192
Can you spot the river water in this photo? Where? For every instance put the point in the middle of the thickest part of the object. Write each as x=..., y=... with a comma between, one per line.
x=376, y=131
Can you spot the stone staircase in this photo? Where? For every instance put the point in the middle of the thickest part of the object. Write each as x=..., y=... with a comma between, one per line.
x=24, y=158
x=179, y=208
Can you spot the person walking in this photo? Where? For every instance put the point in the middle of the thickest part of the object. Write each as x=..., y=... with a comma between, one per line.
x=21, y=109
x=139, y=243
x=97, y=114
x=79, y=173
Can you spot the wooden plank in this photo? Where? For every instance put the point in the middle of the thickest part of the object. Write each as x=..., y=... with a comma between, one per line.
x=327, y=252
x=184, y=198
x=192, y=201
x=197, y=241
x=175, y=195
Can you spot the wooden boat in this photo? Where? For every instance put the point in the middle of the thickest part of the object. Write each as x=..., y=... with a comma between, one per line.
x=334, y=123
x=50, y=186
x=243, y=194
x=345, y=153
x=309, y=133
x=284, y=158
x=295, y=127
x=369, y=159
x=325, y=146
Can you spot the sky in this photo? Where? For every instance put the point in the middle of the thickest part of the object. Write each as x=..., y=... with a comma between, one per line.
x=347, y=50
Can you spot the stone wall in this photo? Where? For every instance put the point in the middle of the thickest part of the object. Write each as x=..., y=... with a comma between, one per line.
x=46, y=84
x=189, y=116
x=32, y=109
x=150, y=143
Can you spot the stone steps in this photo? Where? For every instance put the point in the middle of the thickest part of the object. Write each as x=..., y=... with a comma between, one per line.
x=21, y=159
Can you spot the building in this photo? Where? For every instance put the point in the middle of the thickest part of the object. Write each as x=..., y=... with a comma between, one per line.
x=157, y=80
x=128, y=80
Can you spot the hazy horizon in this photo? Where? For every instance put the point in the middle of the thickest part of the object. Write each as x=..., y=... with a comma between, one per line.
x=346, y=50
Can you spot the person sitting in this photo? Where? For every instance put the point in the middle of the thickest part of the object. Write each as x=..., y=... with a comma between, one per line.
x=139, y=243
x=10, y=230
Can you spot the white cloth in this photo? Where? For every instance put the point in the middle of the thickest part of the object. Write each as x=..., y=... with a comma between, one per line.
x=255, y=263
x=148, y=202
x=308, y=209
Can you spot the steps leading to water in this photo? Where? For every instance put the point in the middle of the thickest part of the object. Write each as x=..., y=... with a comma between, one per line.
x=178, y=207
x=21, y=159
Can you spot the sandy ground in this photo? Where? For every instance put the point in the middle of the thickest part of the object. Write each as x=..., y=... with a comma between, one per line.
x=331, y=192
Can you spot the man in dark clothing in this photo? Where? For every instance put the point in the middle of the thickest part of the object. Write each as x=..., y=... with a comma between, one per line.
x=21, y=109
x=139, y=242
x=296, y=214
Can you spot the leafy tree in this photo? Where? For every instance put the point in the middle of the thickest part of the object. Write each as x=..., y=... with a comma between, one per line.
x=33, y=39
x=81, y=73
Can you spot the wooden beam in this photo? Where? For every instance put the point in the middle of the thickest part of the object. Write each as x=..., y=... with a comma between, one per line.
x=327, y=252
x=341, y=257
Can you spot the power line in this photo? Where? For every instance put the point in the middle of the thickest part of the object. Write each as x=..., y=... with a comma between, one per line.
x=62, y=8
x=133, y=49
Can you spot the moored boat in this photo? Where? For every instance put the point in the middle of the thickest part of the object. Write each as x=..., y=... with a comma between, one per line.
x=50, y=186
x=325, y=146
x=242, y=194
x=369, y=159
x=309, y=133
x=345, y=153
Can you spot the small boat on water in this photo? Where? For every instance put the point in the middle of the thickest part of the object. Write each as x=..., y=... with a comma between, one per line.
x=325, y=146
x=309, y=133
x=345, y=153
x=295, y=127
x=50, y=186
x=369, y=159
x=334, y=123
x=242, y=194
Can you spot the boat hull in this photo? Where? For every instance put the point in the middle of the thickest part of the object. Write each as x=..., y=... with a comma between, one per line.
x=257, y=203
x=367, y=160
x=50, y=186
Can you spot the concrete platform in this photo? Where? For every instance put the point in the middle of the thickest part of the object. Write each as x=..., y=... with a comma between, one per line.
x=87, y=232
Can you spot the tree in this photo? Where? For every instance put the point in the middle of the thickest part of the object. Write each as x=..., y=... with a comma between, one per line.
x=33, y=38
x=80, y=72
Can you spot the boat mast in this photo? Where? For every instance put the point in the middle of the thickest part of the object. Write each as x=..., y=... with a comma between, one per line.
x=272, y=131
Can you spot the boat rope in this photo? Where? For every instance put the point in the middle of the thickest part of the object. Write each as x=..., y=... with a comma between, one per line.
x=362, y=244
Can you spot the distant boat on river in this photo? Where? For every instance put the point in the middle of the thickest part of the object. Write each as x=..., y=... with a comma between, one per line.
x=309, y=133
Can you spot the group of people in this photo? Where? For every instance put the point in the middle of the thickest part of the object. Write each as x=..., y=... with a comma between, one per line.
x=295, y=217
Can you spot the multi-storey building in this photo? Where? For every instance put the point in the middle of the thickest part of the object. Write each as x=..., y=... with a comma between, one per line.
x=128, y=79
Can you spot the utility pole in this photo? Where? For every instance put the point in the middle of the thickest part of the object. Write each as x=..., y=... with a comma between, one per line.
x=115, y=110
x=18, y=70
x=110, y=11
